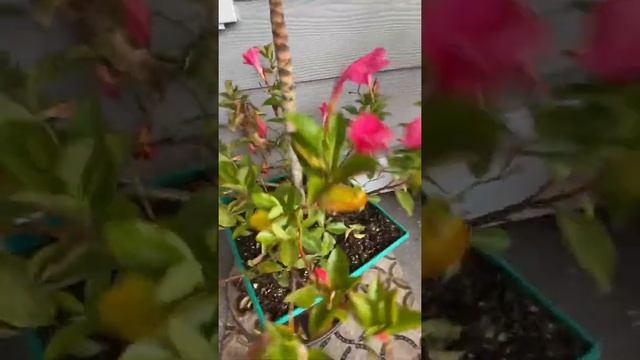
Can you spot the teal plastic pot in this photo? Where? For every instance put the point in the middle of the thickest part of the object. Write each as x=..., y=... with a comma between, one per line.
x=594, y=351
x=297, y=311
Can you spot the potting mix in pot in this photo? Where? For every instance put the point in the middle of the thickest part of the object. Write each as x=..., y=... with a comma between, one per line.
x=298, y=239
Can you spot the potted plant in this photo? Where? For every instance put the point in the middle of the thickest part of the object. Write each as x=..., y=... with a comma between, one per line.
x=585, y=131
x=97, y=265
x=302, y=240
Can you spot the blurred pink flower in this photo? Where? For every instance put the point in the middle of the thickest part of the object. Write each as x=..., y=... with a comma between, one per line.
x=262, y=126
x=322, y=276
x=138, y=21
x=479, y=47
x=361, y=71
x=325, y=114
x=613, y=51
x=368, y=134
x=252, y=57
x=413, y=134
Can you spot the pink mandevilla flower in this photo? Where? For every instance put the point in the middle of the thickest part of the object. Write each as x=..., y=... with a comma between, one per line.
x=325, y=113
x=262, y=126
x=252, y=57
x=361, y=71
x=369, y=134
x=612, y=52
x=413, y=134
x=138, y=21
x=479, y=47
x=322, y=276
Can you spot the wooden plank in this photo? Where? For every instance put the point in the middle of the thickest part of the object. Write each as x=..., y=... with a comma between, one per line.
x=325, y=36
x=402, y=87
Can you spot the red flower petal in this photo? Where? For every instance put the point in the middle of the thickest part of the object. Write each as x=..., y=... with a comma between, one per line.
x=252, y=57
x=612, y=51
x=262, y=127
x=477, y=47
x=322, y=276
x=413, y=134
x=368, y=134
x=138, y=21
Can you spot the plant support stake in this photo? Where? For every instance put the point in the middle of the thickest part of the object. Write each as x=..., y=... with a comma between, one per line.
x=285, y=75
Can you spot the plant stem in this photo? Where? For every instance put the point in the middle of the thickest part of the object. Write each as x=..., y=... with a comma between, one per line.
x=388, y=353
x=531, y=202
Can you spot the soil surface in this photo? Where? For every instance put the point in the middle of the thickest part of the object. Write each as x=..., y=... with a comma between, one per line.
x=380, y=232
x=500, y=323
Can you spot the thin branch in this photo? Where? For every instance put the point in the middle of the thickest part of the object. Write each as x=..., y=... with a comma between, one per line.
x=531, y=202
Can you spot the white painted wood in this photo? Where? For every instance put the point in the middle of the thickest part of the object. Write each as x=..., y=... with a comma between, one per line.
x=226, y=12
x=325, y=36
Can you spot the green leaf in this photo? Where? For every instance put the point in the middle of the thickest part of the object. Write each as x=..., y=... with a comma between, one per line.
x=328, y=244
x=24, y=303
x=146, y=350
x=405, y=200
x=275, y=212
x=143, y=246
x=225, y=219
x=303, y=297
x=288, y=253
x=591, y=245
x=458, y=129
x=266, y=238
x=407, y=320
x=264, y=201
x=190, y=343
x=179, y=281
x=320, y=319
x=351, y=109
x=68, y=303
x=314, y=187
x=311, y=240
x=278, y=232
x=374, y=199
x=493, y=241
x=307, y=140
x=335, y=139
x=73, y=160
x=355, y=164
x=338, y=270
x=28, y=151
x=317, y=354
x=337, y=228
x=58, y=204
x=268, y=267
x=11, y=110
x=362, y=308
x=65, y=340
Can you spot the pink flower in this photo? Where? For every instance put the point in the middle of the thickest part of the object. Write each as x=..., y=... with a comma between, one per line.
x=322, y=276
x=325, y=113
x=138, y=21
x=368, y=134
x=413, y=134
x=383, y=337
x=612, y=51
x=476, y=47
x=252, y=57
x=361, y=71
x=262, y=126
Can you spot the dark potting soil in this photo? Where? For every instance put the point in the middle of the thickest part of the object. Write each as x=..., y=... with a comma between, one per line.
x=500, y=322
x=379, y=233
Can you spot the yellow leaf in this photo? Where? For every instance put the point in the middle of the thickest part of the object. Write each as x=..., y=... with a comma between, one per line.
x=445, y=240
x=129, y=309
x=259, y=221
x=341, y=198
